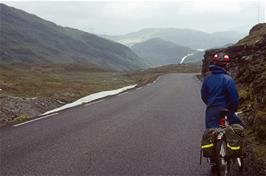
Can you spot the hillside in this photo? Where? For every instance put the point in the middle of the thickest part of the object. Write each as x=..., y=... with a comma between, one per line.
x=248, y=67
x=158, y=52
x=186, y=37
x=26, y=38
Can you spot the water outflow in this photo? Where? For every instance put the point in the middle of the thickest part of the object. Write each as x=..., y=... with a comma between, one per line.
x=182, y=60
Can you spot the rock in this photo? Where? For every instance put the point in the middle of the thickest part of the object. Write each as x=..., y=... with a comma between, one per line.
x=246, y=57
x=12, y=107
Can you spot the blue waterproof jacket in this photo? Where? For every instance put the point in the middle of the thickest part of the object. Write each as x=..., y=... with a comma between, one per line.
x=218, y=92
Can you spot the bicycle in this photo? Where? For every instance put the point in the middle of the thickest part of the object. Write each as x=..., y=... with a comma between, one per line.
x=221, y=160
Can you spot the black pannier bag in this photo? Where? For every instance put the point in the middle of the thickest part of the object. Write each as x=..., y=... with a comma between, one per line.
x=234, y=140
x=208, y=142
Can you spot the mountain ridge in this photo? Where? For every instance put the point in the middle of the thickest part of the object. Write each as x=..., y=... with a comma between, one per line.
x=191, y=38
x=28, y=38
x=157, y=52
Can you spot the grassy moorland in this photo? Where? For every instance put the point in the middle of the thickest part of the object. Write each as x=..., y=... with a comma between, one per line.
x=58, y=81
x=28, y=90
x=69, y=82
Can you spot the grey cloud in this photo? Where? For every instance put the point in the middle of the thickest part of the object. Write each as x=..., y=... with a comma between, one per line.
x=123, y=17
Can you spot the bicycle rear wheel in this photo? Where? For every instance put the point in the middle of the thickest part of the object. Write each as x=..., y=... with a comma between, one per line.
x=223, y=164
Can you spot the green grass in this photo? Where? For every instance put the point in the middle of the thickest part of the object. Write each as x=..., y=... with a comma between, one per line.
x=58, y=82
x=20, y=118
x=243, y=92
x=258, y=147
x=260, y=150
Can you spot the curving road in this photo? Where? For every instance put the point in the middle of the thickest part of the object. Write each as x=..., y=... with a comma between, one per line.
x=154, y=130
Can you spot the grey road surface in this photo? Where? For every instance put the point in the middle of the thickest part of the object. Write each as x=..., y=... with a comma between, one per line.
x=154, y=130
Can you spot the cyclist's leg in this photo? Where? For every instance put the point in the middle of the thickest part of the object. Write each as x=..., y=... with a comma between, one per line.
x=212, y=117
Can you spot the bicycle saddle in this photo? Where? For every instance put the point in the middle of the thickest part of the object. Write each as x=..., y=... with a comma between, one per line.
x=224, y=112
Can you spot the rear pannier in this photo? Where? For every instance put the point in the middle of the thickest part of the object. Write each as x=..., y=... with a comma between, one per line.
x=234, y=138
x=208, y=142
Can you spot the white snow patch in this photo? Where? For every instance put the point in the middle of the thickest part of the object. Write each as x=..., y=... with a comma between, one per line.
x=156, y=80
x=90, y=98
x=182, y=60
x=200, y=49
x=95, y=102
x=0, y=89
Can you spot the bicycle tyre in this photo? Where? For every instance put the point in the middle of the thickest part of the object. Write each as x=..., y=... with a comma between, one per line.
x=241, y=165
x=223, y=165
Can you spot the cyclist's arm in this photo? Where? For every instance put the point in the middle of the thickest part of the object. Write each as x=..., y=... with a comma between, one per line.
x=204, y=92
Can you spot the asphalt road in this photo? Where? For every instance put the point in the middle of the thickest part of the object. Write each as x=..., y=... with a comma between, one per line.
x=154, y=130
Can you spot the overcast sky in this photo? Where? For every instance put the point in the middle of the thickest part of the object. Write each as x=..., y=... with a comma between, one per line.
x=124, y=17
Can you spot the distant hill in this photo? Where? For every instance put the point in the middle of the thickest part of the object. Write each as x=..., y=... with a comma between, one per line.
x=26, y=38
x=157, y=52
x=185, y=37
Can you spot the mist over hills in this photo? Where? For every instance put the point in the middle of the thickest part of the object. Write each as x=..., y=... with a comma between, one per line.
x=157, y=52
x=185, y=37
x=26, y=38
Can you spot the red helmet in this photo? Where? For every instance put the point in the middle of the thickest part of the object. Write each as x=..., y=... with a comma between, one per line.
x=221, y=57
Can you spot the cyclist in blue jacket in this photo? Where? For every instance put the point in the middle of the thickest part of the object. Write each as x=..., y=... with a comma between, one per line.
x=219, y=92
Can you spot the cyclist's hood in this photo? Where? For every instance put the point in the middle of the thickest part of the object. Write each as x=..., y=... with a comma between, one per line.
x=216, y=69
